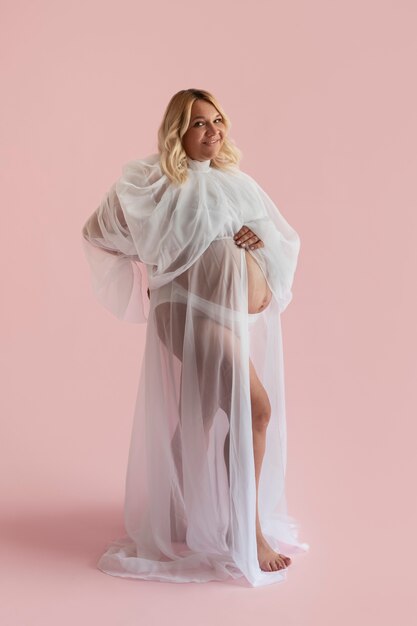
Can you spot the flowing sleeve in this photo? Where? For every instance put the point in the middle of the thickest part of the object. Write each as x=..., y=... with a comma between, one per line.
x=279, y=256
x=118, y=277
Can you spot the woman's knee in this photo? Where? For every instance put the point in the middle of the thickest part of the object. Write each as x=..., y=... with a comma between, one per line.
x=261, y=413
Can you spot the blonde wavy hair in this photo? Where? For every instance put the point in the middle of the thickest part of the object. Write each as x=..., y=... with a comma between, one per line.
x=174, y=125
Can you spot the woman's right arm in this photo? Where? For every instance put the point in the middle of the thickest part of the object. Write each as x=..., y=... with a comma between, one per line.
x=107, y=229
x=118, y=277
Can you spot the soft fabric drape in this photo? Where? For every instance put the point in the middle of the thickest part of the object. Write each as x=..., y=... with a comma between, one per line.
x=190, y=484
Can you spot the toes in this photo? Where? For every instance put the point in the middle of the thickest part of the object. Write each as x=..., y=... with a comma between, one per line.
x=286, y=559
x=266, y=567
x=277, y=562
x=283, y=561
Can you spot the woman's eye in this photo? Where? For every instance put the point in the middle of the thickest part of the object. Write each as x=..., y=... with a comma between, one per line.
x=218, y=119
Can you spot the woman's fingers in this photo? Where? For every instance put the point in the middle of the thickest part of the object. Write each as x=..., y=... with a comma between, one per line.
x=241, y=234
x=250, y=242
x=244, y=234
x=260, y=244
x=247, y=239
x=241, y=231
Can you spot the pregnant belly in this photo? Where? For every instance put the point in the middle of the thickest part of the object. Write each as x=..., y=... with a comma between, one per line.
x=259, y=293
x=214, y=277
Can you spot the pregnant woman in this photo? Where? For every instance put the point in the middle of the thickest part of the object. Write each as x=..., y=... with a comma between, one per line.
x=205, y=485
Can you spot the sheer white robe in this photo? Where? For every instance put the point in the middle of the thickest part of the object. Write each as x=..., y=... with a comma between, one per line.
x=190, y=500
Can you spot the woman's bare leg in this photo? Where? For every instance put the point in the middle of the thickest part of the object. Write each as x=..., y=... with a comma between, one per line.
x=207, y=351
x=269, y=560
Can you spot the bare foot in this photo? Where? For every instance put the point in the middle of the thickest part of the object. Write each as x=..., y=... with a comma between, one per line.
x=269, y=560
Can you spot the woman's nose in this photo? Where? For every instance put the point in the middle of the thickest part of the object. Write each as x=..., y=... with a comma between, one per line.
x=210, y=129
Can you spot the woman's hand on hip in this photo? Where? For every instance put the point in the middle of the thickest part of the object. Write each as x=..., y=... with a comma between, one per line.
x=246, y=238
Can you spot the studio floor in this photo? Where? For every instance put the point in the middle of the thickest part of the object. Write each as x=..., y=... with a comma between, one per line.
x=49, y=576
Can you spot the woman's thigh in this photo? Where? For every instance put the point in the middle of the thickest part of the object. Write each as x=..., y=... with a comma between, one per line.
x=260, y=405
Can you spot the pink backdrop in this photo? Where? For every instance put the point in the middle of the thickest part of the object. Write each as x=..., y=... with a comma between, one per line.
x=322, y=99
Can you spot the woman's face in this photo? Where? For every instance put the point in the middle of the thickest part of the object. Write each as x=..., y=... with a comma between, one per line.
x=206, y=132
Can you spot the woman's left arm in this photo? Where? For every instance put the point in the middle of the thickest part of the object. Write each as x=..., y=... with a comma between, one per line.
x=276, y=245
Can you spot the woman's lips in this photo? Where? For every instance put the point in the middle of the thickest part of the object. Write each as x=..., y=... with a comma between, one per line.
x=209, y=143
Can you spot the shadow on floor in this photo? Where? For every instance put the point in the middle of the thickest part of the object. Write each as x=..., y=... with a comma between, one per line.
x=71, y=534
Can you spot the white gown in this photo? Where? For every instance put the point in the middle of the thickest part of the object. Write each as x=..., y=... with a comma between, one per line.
x=190, y=500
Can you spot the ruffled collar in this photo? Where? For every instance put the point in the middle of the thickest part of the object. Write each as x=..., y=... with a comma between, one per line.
x=201, y=166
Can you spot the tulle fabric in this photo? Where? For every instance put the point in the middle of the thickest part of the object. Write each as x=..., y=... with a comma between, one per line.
x=190, y=485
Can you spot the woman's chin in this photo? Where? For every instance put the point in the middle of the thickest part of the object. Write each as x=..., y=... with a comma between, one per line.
x=211, y=150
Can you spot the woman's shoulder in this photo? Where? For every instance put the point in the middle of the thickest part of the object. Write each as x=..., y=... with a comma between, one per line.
x=242, y=178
